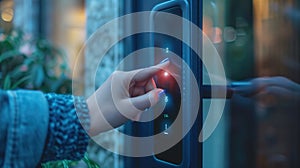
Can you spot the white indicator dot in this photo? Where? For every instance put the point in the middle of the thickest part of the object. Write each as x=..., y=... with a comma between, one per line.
x=167, y=50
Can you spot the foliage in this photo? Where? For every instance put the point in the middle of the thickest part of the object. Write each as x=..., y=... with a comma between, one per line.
x=27, y=63
x=32, y=64
x=67, y=163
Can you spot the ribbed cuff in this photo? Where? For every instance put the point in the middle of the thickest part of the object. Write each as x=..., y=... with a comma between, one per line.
x=68, y=123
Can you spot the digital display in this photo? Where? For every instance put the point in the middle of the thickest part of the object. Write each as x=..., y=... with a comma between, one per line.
x=162, y=123
x=167, y=82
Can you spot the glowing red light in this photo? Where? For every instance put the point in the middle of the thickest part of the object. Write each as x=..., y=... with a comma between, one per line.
x=166, y=74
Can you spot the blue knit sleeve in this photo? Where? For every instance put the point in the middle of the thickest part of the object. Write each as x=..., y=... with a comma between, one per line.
x=69, y=120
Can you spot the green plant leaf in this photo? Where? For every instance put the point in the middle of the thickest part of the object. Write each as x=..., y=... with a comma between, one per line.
x=90, y=163
x=6, y=45
x=9, y=54
x=65, y=164
x=19, y=82
x=38, y=75
x=60, y=164
x=7, y=82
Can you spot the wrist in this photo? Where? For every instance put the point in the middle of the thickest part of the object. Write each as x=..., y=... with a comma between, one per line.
x=67, y=138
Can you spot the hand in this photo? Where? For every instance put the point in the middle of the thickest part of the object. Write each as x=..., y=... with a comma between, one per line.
x=271, y=91
x=123, y=96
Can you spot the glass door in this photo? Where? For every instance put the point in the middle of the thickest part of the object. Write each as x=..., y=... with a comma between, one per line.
x=258, y=41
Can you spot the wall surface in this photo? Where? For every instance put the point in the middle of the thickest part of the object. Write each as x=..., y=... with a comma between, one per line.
x=98, y=13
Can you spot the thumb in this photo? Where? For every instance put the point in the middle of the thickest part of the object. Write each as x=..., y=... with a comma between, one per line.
x=148, y=100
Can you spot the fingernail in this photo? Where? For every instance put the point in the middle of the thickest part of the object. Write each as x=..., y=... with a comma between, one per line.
x=161, y=93
x=165, y=60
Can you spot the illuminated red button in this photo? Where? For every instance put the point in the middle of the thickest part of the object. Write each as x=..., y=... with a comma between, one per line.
x=166, y=74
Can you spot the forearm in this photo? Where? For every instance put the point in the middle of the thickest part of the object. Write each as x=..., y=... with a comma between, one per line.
x=24, y=121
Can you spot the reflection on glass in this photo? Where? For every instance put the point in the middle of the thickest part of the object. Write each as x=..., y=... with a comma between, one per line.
x=260, y=46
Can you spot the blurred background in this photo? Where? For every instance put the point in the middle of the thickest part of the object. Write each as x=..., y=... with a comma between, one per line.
x=255, y=38
x=40, y=40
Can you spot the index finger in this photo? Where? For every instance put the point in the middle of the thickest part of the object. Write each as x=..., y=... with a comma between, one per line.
x=147, y=73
